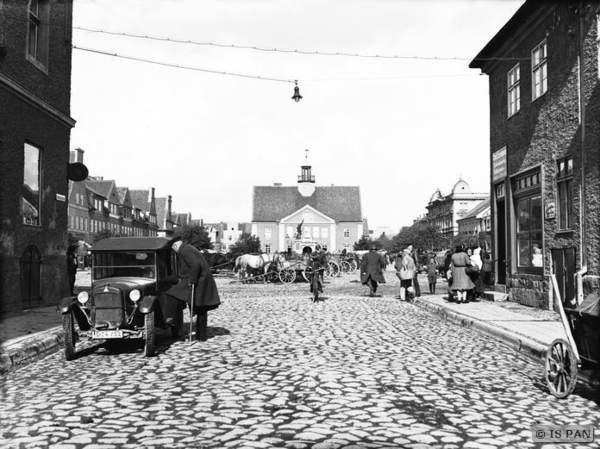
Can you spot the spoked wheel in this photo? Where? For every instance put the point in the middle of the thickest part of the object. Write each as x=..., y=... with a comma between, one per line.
x=560, y=369
x=353, y=266
x=150, y=340
x=287, y=275
x=69, y=331
x=332, y=270
x=345, y=267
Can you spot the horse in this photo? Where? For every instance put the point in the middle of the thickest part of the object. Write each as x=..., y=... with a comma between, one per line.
x=249, y=265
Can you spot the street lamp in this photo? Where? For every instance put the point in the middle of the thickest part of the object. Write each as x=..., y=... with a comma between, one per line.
x=297, y=97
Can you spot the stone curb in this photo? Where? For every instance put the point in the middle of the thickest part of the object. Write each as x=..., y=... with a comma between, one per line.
x=30, y=349
x=526, y=346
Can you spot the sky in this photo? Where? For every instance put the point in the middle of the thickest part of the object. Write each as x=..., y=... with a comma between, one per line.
x=223, y=121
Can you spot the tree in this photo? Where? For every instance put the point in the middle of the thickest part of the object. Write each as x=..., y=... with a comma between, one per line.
x=246, y=244
x=196, y=236
x=384, y=242
x=364, y=243
x=421, y=235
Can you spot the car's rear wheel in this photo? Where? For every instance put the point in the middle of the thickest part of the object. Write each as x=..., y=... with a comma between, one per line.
x=69, y=331
x=150, y=342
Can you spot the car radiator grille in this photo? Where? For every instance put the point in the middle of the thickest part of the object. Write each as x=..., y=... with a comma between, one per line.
x=108, y=309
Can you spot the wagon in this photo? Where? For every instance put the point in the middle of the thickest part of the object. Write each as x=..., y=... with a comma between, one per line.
x=292, y=269
x=579, y=355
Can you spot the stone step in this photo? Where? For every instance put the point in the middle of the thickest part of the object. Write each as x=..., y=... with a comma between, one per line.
x=491, y=295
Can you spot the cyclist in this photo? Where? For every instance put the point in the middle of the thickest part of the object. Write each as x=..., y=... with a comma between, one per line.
x=318, y=263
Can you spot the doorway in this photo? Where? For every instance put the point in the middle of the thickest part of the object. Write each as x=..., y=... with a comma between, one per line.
x=563, y=263
x=500, y=256
x=30, y=273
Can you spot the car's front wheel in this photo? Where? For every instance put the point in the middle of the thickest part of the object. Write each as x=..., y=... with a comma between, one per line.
x=150, y=341
x=69, y=337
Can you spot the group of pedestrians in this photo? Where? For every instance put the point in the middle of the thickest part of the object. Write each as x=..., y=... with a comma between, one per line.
x=464, y=274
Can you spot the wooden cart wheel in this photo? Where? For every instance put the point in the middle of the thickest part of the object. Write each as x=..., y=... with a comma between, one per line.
x=560, y=369
x=287, y=275
x=345, y=267
x=333, y=269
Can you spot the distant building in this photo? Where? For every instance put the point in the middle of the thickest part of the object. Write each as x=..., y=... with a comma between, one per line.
x=477, y=226
x=543, y=69
x=35, y=132
x=444, y=211
x=292, y=218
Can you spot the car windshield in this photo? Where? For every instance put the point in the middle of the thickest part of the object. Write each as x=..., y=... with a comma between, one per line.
x=119, y=264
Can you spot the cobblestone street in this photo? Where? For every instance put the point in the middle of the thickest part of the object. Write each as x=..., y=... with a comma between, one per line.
x=280, y=371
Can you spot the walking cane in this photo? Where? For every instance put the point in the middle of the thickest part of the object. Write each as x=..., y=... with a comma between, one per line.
x=191, y=314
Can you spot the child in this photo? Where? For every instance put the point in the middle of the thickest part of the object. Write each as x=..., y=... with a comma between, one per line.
x=432, y=271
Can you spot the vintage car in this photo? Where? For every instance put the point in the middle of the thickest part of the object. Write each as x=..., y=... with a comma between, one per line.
x=128, y=274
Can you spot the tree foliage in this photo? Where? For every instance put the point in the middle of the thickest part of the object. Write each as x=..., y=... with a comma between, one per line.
x=246, y=244
x=384, y=242
x=195, y=235
x=424, y=236
x=364, y=243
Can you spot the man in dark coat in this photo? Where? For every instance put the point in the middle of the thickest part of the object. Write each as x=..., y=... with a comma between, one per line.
x=371, y=270
x=193, y=270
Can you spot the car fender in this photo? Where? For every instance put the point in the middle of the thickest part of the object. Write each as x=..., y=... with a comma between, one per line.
x=147, y=304
x=66, y=304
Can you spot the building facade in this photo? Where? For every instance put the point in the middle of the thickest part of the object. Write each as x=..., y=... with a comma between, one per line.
x=293, y=218
x=35, y=132
x=544, y=151
x=444, y=211
x=476, y=226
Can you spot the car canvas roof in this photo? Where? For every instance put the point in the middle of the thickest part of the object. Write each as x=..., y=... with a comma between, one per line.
x=132, y=244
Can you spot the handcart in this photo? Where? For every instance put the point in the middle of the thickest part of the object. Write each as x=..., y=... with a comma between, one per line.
x=577, y=357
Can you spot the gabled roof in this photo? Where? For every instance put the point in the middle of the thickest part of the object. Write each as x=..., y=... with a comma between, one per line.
x=271, y=203
x=140, y=199
x=103, y=188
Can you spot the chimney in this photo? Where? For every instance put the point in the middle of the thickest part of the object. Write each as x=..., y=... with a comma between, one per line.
x=76, y=155
x=169, y=208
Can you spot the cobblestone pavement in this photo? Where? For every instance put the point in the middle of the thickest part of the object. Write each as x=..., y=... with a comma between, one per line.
x=279, y=371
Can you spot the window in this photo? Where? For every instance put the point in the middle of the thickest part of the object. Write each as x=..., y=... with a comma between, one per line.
x=315, y=233
x=268, y=249
x=325, y=233
x=539, y=70
x=37, y=37
x=346, y=233
x=528, y=210
x=564, y=183
x=267, y=234
x=514, y=90
x=30, y=201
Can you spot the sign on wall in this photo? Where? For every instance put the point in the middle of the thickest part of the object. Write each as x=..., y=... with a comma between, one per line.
x=499, y=164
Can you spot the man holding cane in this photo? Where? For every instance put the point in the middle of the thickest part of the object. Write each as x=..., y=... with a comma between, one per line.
x=197, y=280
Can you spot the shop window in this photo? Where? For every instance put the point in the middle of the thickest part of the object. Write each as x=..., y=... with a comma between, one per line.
x=564, y=182
x=31, y=199
x=528, y=211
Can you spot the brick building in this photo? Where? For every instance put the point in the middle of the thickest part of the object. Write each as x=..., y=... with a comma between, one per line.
x=35, y=132
x=330, y=216
x=545, y=150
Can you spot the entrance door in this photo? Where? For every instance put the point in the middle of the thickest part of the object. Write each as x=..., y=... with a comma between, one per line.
x=563, y=261
x=500, y=257
x=30, y=267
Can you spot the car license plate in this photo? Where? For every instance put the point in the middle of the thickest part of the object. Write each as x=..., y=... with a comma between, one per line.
x=107, y=334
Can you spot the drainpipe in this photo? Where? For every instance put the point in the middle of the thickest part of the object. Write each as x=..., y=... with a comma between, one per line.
x=582, y=190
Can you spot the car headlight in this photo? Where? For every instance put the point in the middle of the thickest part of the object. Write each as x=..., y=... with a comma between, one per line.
x=135, y=295
x=83, y=297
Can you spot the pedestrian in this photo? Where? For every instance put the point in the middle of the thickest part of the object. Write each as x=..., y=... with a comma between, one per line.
x=72, y=267
x=405, y=270
x=371, y=268
x=318, y=263
x=432, y=272
x=414, y=253
x=460, y=281
x=448, y=273
x=474, y=274
x=193, y=270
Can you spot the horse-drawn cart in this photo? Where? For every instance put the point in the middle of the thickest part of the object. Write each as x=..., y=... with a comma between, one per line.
x=290, y=270
x=579, y=352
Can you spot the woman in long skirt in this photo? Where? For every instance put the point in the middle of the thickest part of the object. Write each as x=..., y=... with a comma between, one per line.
x=460, y=281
